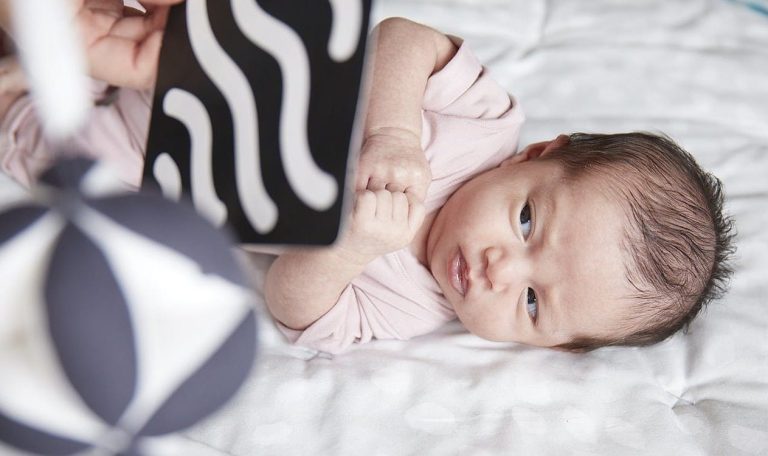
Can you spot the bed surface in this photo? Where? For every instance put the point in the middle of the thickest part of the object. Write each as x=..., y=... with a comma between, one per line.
x=694, y=69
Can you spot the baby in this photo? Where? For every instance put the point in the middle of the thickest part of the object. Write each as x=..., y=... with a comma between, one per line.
x=576, y=243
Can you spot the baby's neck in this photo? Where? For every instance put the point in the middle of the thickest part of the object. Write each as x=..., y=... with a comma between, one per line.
x=418, y=246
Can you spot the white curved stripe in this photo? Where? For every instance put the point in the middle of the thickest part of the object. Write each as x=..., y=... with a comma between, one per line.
x=314, y=186
x=167, y=174
x=345, y=28
x=190, y=111
x=225, y=74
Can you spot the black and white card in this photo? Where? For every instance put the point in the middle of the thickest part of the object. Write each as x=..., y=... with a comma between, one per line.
x=254, y=115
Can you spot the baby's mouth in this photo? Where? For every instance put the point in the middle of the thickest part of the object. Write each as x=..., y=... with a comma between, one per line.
x=458, y=273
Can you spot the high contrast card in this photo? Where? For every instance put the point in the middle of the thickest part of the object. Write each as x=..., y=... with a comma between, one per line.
x=255, y=113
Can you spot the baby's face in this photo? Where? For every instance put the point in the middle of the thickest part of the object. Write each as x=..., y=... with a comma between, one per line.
x=526, y=256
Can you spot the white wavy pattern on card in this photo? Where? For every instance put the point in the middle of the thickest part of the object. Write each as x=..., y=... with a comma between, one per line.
x=167, y=174
x=345, y=28
x=316, y=188
x=226, y=75
x=191, y=112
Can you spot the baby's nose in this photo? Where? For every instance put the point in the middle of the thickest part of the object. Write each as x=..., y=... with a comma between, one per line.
x=503, y=268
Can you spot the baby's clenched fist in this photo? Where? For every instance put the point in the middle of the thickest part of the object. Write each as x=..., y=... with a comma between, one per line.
x=381, y=222
x=393, y=160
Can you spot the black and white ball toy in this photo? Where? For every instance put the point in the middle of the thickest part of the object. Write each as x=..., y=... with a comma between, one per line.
x=122, y=316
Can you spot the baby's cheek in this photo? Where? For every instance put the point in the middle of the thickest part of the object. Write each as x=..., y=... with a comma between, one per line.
x=485, y=321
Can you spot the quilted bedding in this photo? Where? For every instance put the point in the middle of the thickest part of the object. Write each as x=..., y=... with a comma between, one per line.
x=694, y=69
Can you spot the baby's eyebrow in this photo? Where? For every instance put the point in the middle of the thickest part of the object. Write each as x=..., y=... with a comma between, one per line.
x=553, y=308
x=545, y=309
x=555, y=313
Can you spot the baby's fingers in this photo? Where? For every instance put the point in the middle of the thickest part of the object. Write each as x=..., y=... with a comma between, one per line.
x=365, y=205
x=376, y=184
x=416, y=212
x=400, y=207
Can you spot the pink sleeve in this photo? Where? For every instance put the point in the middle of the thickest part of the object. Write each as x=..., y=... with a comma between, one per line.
x=394, y=298
x=335, y=331
x=115, y=133
x=463, y=88
x=470, y=124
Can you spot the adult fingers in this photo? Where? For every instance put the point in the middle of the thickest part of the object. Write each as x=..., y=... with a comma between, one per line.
x=126, y=62
x=112, y=8
x=12, y=78
x=132, y=12
x=132, y=28
x=151, y=8
x=148, y=3
x=138, y=27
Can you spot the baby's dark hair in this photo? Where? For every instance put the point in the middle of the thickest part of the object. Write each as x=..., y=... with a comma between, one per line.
x=679, y=242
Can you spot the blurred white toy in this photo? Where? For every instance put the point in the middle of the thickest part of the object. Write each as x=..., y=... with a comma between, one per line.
x=122, y=316
x=50, y=51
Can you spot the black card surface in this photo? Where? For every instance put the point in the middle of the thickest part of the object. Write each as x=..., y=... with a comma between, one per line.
x=254, y=115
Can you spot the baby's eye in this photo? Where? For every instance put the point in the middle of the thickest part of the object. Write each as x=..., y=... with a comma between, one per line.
x=532, y=306
x=525, y=220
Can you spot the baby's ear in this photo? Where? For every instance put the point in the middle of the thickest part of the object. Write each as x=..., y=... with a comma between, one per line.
x=537, y=150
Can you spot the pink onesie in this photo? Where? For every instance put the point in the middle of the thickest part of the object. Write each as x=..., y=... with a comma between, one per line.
x=470, y=124
x=116, y=133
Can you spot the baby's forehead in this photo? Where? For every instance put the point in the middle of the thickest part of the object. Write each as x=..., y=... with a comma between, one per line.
x=607, y=188
x=584, y=240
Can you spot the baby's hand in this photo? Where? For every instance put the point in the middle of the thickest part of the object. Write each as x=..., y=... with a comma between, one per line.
x=381, y=222
x=392, y=159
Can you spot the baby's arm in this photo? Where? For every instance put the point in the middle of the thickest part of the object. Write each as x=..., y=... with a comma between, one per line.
x=303, y=285
x=405, y=54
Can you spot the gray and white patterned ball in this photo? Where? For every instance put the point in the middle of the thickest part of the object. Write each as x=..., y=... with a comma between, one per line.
x=122, y=316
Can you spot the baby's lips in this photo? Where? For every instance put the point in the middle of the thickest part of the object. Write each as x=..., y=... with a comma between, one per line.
x=458, y=273
x=464, y=274
x=455, y=273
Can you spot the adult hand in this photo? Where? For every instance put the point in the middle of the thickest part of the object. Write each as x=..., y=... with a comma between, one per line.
x=392, y=159
x=122, y=45
x=12, y=80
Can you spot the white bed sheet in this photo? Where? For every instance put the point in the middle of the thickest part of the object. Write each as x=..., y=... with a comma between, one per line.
x=695, y=69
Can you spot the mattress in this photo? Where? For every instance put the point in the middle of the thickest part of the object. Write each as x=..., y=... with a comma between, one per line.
x=694, y=69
